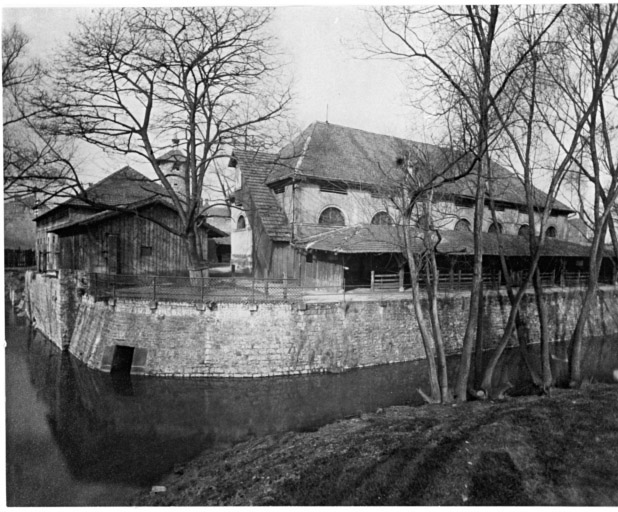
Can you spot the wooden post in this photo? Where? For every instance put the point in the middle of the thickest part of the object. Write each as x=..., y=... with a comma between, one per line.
x=459, y=282
x=233, y=267
x=401, y=278
x=451, y=277
x=285, y=285
x=266, y=287
x=202, y=290
x=154, y=288
x=373, y=279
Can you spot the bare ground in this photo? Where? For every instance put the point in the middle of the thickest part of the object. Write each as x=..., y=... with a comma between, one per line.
x=561, y=450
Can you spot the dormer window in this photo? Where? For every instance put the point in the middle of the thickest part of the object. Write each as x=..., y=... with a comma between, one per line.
x=279, y=190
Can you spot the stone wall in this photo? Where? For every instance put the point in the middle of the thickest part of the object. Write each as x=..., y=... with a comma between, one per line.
x=52, y=303
x=245, y=340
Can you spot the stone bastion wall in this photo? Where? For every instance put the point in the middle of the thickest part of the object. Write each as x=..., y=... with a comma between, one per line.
x=256, y=340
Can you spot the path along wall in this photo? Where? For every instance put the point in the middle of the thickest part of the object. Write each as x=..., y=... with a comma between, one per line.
x=244, y=340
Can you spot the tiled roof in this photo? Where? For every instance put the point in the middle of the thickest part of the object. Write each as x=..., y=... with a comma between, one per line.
x=256, y=167
x=122, y=188
x=385, y=238
x=327, y=151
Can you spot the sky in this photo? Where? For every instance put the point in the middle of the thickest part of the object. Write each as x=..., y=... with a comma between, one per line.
x=332, y=80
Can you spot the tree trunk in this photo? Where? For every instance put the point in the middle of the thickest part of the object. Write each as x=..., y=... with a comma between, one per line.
x=425, y=336
x=198, y=268
x=545, y=355
x=432, y=289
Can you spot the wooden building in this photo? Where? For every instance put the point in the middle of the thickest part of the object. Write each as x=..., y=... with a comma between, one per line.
x=117, y=230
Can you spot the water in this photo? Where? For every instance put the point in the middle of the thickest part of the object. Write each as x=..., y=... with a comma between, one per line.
x=80, y=437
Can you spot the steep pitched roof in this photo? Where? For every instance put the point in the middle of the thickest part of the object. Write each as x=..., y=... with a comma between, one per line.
x=122, y=188
x=388, y=238
x=327, y=151
x=256, y=166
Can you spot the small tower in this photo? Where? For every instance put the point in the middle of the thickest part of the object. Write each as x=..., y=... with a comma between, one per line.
x=172, y=164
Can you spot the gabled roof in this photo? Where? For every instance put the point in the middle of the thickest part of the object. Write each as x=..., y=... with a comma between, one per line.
x=256, y=167
x=390, y=239
x=122, y=188
x=213, y=231
x=326, y=151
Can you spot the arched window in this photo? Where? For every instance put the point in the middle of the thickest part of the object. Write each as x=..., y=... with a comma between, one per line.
x=551, y=232
x=332, y=217
x=524, y=230
x=495, y=227
x=382, y=218
x=463, y=225
x=241, y=223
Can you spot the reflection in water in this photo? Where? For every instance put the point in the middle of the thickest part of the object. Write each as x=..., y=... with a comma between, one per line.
x=124, y=432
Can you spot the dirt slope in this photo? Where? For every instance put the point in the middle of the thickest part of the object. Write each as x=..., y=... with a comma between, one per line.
x=561, y=450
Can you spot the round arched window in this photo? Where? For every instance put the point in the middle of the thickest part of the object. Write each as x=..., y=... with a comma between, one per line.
x=241, y=223
x=495, y=227
x=463, y=225
x=382, y=218
x=332, y=217
x=551, y=232
x=524, y=230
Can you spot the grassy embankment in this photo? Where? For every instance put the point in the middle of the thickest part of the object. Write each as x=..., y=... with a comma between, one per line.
x=561, y=450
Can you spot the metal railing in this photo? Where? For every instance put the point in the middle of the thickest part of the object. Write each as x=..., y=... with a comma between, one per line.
x=247, y=289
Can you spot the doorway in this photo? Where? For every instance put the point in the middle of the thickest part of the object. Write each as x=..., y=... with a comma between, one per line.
x=122, y=360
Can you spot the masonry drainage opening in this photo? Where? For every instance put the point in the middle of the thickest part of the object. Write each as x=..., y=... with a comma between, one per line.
x=123, y=359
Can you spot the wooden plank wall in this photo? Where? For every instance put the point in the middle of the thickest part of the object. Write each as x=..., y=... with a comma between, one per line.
x=87, y=250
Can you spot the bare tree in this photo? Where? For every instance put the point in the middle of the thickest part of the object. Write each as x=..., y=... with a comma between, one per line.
x=457, y=66
x=34, y=160
x=187, y=80
x=591, y=32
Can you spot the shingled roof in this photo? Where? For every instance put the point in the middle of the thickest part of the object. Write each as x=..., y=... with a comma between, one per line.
x=256, y=166
x=326, y=151
x=122, y=188
x=387, y=239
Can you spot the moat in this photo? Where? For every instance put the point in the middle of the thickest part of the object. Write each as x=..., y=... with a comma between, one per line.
x=79, y=437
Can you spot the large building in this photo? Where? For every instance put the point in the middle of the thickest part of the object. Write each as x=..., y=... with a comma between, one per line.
x=329, y=208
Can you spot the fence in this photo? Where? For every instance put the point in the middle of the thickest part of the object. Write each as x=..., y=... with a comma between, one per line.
x=246, y=289
x=19, y=258
x=195, y=289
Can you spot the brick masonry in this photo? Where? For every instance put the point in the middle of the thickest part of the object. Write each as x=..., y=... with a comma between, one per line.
x=244, y=340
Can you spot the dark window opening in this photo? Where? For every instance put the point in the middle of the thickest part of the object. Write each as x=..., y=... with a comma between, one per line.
x=382, y=218
x=424, y=222
x=524, y=230
x=332, y=217
x=241, y=223
x=495, y=228
x=551, y=232
x=145, y=250
x=499, y=207
x=333, y=188
x=279, y=190
x=463, y=225
x=464, y=202
x=123, y=359
x=309, y=258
